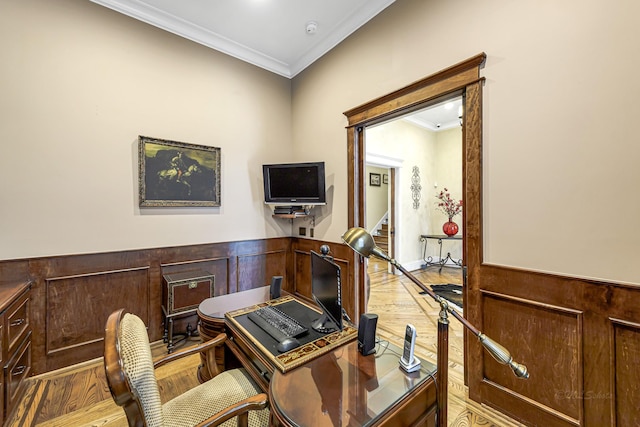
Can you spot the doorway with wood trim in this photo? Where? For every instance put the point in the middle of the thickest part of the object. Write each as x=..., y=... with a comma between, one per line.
x=460, y=80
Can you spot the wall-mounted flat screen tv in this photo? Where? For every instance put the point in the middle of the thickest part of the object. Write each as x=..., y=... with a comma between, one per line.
x=294, y=184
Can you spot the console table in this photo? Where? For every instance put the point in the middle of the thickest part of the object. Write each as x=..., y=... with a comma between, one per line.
x=428, y=260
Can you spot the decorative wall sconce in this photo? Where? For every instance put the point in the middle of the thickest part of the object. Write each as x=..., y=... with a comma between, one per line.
x=415, y=187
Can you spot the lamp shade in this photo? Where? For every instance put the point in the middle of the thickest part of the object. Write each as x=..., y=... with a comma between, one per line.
x=362, y=242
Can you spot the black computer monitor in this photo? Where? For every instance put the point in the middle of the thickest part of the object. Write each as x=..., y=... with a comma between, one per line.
x=325, y=288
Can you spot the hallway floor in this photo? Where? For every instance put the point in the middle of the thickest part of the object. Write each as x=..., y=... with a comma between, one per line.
x=397, y=301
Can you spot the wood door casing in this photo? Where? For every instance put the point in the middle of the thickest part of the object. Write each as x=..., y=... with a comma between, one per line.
x=392, y=214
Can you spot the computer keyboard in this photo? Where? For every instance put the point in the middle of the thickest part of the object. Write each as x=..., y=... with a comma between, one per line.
x=277, y=323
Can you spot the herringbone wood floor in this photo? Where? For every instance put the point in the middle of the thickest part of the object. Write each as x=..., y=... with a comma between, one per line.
x=79, y=395
x=397, y=301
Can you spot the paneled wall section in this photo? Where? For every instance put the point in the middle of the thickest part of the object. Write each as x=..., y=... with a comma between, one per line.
x=73, y=295
x=580, y=340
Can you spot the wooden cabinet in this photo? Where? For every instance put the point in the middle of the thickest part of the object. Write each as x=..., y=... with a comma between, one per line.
x=181, y=295
x=15, y=342
x=183, y=292
x=15, y=372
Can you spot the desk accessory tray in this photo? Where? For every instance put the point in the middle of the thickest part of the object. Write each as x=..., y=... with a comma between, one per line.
x=312, y=345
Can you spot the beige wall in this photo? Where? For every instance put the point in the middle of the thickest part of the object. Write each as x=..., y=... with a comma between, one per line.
x=79, y=83
x=560, y=154
x=411, y=146
x=438, y=156
x=448, y=166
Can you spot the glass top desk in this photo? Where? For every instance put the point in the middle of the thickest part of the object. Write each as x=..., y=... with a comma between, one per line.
x=344, y=388
x=341, y=388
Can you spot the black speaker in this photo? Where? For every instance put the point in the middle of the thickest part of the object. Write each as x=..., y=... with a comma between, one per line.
x=367, y=333
x=276, y=286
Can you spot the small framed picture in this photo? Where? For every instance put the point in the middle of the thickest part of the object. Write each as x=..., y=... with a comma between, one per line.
x=374, y=179
x=385, y=178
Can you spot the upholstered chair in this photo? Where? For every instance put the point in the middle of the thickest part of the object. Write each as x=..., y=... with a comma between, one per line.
x=229, y=399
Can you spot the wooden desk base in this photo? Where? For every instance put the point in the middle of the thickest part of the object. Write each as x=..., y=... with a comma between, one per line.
x=211, y=315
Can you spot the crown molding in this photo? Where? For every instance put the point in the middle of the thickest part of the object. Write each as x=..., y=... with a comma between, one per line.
x=151, y=15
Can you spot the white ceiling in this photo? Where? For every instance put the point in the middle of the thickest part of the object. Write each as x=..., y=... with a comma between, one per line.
x=272, y=34
x=442, y=116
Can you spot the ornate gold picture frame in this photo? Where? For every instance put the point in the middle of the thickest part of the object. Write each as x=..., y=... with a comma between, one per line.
x=173, y=173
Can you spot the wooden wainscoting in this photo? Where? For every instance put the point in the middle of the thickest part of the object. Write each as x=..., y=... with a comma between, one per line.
x=625, y=381
x=342, y=255
x=580, y=340
x=73, y=295
x=74, y=306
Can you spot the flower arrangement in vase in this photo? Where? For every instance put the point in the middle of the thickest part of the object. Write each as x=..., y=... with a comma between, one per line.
x=450, y=208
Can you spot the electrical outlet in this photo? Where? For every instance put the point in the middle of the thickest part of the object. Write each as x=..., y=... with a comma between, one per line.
x=302, y=231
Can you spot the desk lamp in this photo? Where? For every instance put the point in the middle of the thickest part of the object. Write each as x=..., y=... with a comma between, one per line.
x=362, y=243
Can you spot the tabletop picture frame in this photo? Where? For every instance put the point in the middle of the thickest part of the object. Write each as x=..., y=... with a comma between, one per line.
x=374, y=179
x=177, y=174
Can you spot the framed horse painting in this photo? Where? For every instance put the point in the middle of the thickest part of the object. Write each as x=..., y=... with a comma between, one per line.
x=173, y=173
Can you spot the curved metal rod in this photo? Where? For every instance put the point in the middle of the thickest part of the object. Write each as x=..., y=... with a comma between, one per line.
x=362, y=242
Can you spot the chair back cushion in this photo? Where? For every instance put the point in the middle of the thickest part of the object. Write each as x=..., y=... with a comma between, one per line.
x=138, y=366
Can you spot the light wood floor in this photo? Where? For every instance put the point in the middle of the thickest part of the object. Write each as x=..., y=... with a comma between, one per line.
x=79, y=395
x=397, y=301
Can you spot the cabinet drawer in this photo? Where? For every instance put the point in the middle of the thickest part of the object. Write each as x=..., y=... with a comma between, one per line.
x=16, y=371
x=188, y=295
x=17, y=321
x=185, y=291
x=2, y=352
